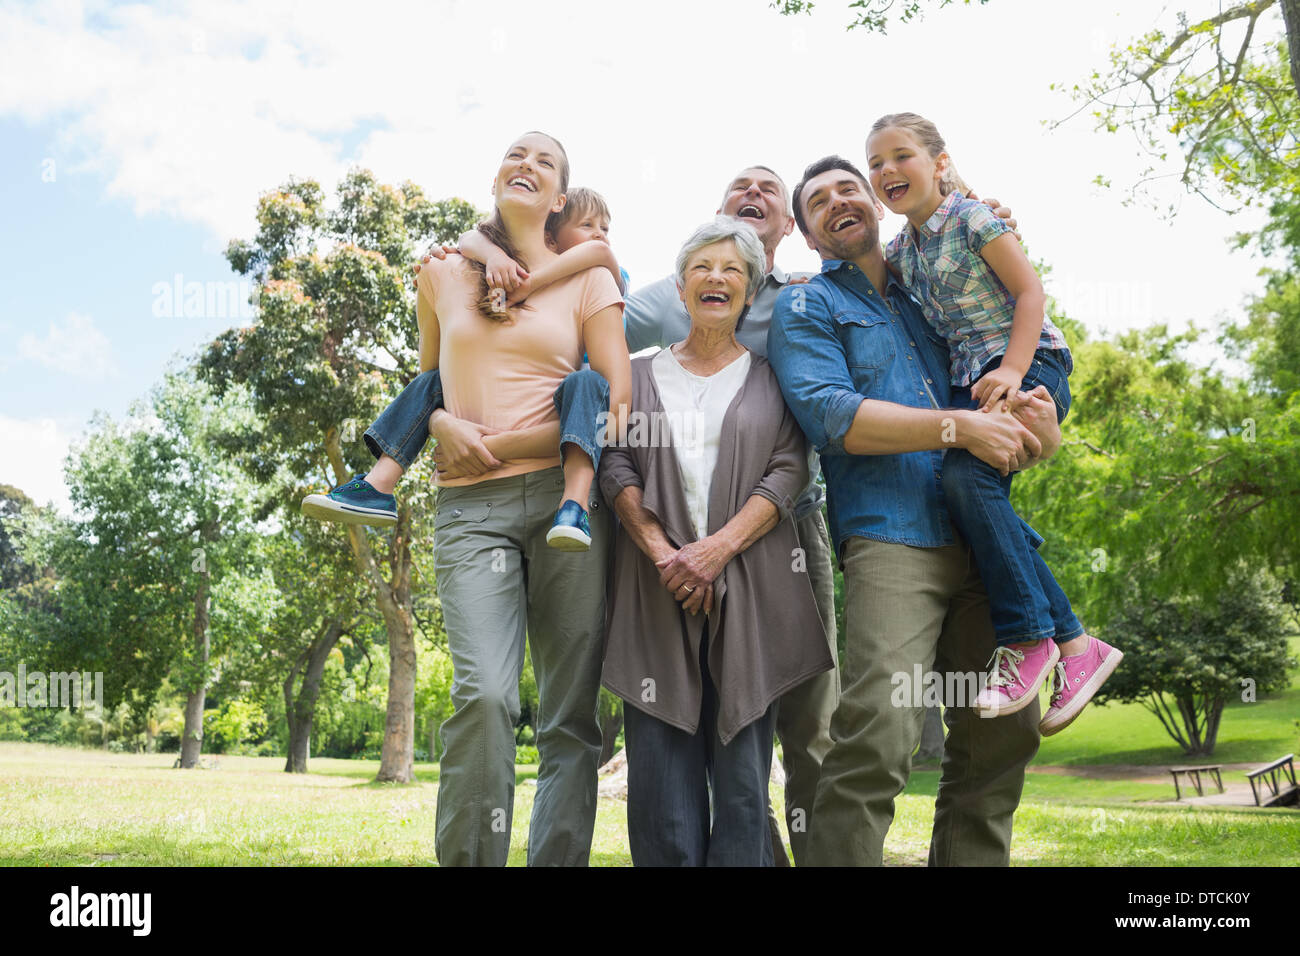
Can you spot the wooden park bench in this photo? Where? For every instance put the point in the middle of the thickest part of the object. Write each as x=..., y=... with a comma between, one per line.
x=1194, y=775
x=1275, y=782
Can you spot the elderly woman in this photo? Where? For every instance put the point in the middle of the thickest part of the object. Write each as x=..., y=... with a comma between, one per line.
x=711, y=614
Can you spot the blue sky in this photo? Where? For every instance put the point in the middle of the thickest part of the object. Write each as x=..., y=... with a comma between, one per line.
x=163, y=123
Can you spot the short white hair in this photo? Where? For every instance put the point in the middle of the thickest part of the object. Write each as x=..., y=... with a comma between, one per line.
x=720, y=229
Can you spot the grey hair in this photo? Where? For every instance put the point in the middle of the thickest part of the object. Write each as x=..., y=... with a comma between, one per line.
x=720, y=229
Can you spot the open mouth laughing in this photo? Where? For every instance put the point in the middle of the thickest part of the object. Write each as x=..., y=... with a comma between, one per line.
x=845, y=221
x=750, y=211
x=523, y=182
x=895, y=191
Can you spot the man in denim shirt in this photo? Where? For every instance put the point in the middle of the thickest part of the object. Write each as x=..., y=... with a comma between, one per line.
x=867, y=381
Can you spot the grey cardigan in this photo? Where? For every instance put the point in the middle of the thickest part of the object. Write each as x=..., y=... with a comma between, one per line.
x=765, y=634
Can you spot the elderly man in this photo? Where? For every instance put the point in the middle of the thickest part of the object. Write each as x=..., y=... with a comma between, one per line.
x=655, y=316
x=865, y=379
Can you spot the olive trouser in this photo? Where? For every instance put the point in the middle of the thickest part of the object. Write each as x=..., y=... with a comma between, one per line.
x=908, y=608
x=497, y=578
x=804, y=716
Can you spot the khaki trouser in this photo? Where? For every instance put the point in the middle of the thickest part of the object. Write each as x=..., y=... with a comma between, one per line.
x=804, y=715
x=905, y=607
x=497, y=578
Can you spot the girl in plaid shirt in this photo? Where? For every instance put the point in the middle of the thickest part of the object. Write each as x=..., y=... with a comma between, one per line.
x=982, y=295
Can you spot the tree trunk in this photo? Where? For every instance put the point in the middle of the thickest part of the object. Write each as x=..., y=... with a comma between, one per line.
x=301, y=710
x=1213, y=712
x=397, y=756
x=1291, y=17
x=192, y=739
x=931, y=750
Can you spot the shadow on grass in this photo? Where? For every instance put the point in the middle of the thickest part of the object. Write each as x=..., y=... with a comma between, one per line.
x=1060, y=788
x=424, y=773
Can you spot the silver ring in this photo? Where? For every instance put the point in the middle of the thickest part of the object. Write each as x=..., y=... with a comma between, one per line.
x=689, y=590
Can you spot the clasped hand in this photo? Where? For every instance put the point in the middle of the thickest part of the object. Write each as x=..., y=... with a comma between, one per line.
x=689, y=572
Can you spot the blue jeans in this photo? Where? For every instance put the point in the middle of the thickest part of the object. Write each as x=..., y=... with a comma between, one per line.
x=1025, y=601
x=669, y=777
x=402, y=428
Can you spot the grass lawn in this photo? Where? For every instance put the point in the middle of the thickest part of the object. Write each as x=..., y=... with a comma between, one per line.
x=67, y=807
x=1258, y=732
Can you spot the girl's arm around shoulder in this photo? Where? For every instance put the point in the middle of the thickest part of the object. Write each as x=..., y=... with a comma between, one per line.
x=501, y=271
x=580, y=258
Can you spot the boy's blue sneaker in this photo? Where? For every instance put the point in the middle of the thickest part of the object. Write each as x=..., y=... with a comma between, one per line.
x=353, y=502
x=570, y=531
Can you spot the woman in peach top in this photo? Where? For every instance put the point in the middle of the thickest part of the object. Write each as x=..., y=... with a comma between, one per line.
x=499, y=481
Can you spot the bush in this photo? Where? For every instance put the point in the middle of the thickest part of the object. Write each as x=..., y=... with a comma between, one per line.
x=526, y=754
x=236, y=723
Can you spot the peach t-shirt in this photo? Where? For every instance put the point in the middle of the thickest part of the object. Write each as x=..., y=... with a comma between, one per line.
x=504, y=375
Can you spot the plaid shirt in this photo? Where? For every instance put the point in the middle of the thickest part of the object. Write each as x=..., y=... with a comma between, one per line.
x=961, y=295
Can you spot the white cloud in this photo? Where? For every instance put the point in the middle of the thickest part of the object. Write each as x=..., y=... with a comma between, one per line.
x=193, y=109
x=75, y=347
x=33, y=453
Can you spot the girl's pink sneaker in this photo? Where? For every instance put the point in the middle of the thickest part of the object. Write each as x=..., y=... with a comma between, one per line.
x=1015, y=674
x=1076, y=680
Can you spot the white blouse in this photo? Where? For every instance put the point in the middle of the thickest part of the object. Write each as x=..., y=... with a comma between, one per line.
x=695, y=406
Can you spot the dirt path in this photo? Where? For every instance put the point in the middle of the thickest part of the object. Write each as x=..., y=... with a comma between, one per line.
x=1236, y=790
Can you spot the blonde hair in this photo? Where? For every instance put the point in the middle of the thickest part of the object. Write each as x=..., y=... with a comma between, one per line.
x=582, y=202
x=927, y=137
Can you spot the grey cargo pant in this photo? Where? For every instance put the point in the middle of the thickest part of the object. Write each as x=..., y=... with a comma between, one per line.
x=804, y=717
x=496, y=579
x=906, y=608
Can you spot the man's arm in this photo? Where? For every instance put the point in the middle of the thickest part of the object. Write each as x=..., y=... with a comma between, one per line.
x=644, y=312
x=812, y=368
x=884, y=428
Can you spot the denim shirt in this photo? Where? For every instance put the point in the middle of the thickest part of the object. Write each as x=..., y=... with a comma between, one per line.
x=835, y=341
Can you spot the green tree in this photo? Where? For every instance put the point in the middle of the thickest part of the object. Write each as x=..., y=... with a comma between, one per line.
x=335, y=338
x=874, y=16
x=1185, y=658
x=1170, y=477
x=13, y=571
x=322, y=604
x=1222, y=91
x=164, y=523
